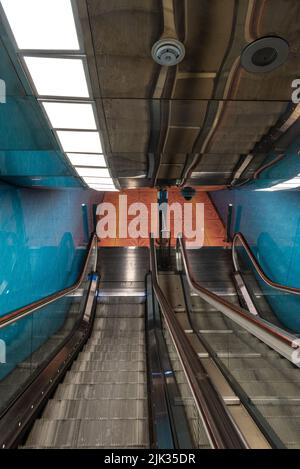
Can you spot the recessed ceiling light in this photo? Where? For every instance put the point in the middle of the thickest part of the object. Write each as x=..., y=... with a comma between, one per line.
x=82, y=142
x=265, y=54
x=58, y=76
x=40, y=25
x=98, y=180
x=86, y=159
x=93, y=172
x=71, y=115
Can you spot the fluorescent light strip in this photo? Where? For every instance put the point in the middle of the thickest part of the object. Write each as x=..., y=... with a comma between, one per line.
x=87, y=159
x=102, y=186
x=58, y=76
x=70, y=115
x=104, y=189
x=83, y=142
x=93, y=172
x=42, y=24
x=292, y=183
x=98, y=180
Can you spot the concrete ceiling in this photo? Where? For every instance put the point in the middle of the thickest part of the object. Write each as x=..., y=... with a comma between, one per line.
x=197, y=121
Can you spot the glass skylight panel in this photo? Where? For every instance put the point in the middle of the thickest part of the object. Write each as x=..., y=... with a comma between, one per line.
x=81, y=142
x=85, y=159
x=42, y=24
x=98, y=180
x=104, y=188
x=71, y=115
x=58, y=76
x=93, y=172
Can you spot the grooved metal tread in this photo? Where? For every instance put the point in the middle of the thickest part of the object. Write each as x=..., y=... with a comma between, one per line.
x=102, y=402
x=268, y=379
x=101, y=391
x=95, y=409
x=89, y=434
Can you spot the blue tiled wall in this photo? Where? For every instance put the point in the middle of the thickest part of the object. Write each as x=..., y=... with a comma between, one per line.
x=42, y=242
x=270, y=221
x=43, y=246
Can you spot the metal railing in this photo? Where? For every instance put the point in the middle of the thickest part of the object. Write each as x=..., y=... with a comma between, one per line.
x=278, y=339
x=29, y=309
x=239, y=237
x=220, y=428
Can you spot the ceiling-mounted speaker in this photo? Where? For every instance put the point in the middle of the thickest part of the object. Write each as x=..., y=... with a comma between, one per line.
x=168, y=52
x=188, y=193
x=265, y=54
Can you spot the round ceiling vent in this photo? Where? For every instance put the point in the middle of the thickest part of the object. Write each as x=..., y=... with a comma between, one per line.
x=168, y=52
x=265, y=54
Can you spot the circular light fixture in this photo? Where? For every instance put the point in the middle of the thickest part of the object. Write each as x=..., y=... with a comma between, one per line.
x=265, y=54
x=168, y=52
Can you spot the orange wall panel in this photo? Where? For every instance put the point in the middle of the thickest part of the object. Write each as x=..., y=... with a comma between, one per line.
x=214, y=232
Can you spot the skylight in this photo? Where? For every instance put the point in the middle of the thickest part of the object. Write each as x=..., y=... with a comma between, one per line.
x=87, y=159
x=82, y=142
x=71, y=115
x=42, y=24
x=50, y=48
x=93, y=172
x=98, y=180
x=58, y=76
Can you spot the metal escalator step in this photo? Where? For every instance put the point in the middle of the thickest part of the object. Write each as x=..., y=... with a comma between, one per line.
x=268, y=389
x=89, y=434
x=54, y=434
x=101, y=391
x=94, y=409
x=254, y=363
x=230, y=343
x=120, y=310
x=115, y=355
x=125, y=340
x=115, y=335
x=119, y=324
x=216, y=321
x=95, y=356
x=286, y=409
x=268, y=374
x=117, y=377
x=115, y=347
x=109, y=365
x=113, y=434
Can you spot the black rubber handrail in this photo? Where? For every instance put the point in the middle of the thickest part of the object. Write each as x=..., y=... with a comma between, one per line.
x=239, y=237
x=221, y=429
x=277, y=338
x=29, y=309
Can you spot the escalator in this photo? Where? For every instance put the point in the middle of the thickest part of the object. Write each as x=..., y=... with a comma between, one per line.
x=102, y=401
x=261, y=373
x=145, y=359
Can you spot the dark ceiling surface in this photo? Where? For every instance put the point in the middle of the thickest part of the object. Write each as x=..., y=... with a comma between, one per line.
x=195, y=122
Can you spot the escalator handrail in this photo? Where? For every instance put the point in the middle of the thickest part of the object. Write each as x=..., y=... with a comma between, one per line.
x=32, y=307
x=278, y=286
x=221, y=429
x=282, y=341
